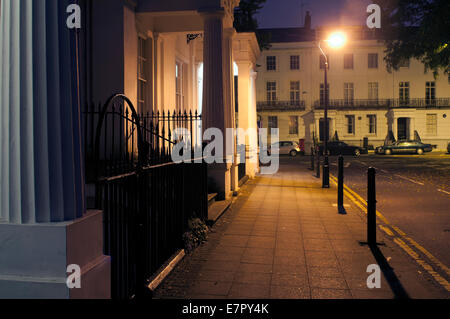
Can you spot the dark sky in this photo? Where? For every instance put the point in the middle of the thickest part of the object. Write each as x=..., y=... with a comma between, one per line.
x=287, y=13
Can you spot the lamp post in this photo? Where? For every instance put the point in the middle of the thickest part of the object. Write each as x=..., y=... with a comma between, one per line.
x=336, y=40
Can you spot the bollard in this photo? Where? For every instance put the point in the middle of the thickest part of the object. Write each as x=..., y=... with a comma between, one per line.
x=312, y=159
x=341, y=183
x=371, y=207
x=318, y=165
x=326, y=173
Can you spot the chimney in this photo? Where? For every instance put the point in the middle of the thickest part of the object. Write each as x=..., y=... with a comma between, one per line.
x=307, y=21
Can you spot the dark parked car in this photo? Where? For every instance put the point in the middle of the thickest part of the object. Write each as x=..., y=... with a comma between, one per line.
x=341, y=148
x=448, y=148
x=403, y=147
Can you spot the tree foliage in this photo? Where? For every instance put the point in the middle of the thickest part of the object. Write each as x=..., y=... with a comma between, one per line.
x=417, y=29
x=245, y=20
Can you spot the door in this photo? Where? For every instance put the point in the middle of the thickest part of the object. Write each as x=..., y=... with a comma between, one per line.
x=402, y=129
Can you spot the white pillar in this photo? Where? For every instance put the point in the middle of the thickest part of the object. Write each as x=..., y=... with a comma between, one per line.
x=248, y=114
x=214, y=111
x=42, y=227
x=229, y=103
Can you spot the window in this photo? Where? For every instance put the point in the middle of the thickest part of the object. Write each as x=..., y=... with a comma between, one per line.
x=404, y=63
x=348, y=61
x=322, y=93
x=271, y=63
x=179, y=89
x=404, y=92
x=293, y=125
x=350, y=124
x=372, y=123
x=322, y=62
x=295, y=62
x=273, y=122
x=431, y=124
x=430, y=92
x=142, y=74
x=271, y=91
x=348, y=93
x=295, y=92
x=373, y=91
x=373, y=60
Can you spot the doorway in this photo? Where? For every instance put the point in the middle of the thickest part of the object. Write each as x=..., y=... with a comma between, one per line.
x=402, y=129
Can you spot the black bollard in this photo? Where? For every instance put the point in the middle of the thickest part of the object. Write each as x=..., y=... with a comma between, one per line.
x=318, y=165
x=312, y=159
x=326, y=173
x=341, y=183
x=371, y=207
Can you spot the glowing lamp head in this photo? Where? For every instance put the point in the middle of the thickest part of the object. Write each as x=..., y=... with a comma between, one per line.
x=337, y=40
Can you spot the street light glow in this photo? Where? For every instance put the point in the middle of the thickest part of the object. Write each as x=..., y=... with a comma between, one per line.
x=337, y=40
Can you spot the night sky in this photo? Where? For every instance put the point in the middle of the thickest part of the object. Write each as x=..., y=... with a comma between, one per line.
x=287, y=13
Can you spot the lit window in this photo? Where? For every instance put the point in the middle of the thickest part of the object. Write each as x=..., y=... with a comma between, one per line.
x=372, y=123
x=431, y=124
x=373, y=91
x=271, y=63
x=350, y=124
x=295, y=92
x=348, y=93
x=295, y=62
x=293, y=125
x=430, y=92
x=271, y=91
x=404, y=93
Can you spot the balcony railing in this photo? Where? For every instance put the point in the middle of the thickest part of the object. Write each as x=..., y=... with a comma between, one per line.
x=384, y=103
x=281, y=106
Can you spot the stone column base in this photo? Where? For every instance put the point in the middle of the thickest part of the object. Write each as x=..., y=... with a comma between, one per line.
x=35, y=259
x=219, y=180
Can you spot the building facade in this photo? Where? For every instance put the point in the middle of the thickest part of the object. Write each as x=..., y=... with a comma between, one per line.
x=366, y=101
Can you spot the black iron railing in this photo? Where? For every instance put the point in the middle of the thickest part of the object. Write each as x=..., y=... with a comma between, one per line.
x=119, y=141
x=293, y=105
x=146, y=198
x=384, y=103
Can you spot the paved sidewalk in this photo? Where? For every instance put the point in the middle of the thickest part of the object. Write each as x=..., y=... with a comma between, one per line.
x=283, y=239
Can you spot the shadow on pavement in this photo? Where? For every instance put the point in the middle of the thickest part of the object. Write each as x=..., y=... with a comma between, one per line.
x=394, y=283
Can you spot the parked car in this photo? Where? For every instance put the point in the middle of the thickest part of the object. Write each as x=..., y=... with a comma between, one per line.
x=286, y=148
x=404, y=147
x=448, y=148
x=341, y=148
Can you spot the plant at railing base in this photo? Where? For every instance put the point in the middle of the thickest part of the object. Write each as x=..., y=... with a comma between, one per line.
x=196, y=235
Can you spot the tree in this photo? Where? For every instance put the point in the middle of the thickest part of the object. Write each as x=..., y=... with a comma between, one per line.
x=417, y=29
x=245, y=20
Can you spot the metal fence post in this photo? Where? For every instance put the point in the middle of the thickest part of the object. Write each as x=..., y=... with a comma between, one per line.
x=371, y=207
x=341, y=184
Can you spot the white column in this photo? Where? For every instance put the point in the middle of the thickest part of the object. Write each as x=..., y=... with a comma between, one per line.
x=214, y=113
x=42, y=224
x=229, y=103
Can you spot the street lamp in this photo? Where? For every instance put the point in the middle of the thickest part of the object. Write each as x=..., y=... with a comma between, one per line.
x=335, y=40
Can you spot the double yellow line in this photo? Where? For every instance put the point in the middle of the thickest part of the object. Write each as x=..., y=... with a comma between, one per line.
x=400, y=238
